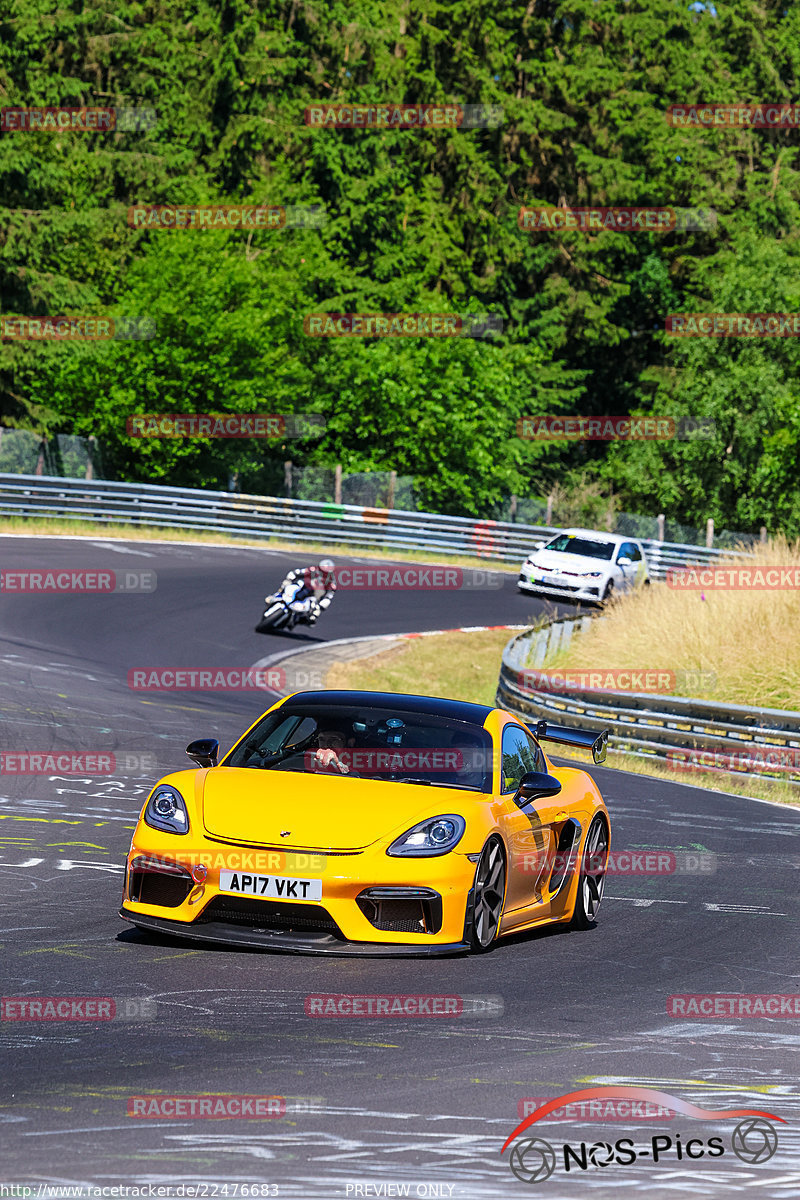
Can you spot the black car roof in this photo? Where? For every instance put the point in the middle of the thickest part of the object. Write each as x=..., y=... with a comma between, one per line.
x=456, y=710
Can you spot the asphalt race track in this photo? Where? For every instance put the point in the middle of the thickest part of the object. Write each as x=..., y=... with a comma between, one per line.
x=370, y=1102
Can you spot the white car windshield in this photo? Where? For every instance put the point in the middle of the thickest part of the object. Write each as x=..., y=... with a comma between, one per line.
x=568, y=543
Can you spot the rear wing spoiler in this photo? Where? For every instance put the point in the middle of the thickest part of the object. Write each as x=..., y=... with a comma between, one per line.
x=584, y=739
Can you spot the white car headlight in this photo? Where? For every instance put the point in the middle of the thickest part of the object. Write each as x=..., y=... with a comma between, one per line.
x=437, y=835
x=591, y=574
x=166, y=810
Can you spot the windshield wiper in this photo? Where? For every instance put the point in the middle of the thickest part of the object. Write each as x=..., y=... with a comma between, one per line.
x=470, y=787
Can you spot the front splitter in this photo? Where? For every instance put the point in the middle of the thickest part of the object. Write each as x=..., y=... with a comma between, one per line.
x=286, y=941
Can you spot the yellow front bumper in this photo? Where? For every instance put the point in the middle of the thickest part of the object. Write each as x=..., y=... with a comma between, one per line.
x=344, y=878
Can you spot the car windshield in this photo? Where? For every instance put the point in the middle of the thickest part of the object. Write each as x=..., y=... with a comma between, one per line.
x=391, y=744
x=568, y=543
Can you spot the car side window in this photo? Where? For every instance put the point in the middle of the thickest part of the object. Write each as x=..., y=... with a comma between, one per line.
x=627, y=550
x=636, y=554
x=520, y=755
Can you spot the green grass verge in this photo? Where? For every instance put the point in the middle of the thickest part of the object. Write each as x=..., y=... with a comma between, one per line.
x=465, y=666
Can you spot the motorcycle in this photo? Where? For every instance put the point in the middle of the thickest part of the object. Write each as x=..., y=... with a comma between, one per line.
x=278, y=614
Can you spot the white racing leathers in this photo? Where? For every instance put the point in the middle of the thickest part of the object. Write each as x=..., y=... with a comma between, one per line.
x=307, y=592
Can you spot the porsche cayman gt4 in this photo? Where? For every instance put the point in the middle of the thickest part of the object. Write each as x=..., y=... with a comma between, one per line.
x=372, y=823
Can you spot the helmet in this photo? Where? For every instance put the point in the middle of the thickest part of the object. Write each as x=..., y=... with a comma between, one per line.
x=326, y=565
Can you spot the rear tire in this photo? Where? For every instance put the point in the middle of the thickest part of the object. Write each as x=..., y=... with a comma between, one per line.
x=592, y=878
x=489, y=893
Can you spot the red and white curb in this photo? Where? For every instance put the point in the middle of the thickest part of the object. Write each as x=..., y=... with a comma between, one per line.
x=436, y=632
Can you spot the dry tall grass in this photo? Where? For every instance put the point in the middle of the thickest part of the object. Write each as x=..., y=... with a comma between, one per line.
x=739, y=646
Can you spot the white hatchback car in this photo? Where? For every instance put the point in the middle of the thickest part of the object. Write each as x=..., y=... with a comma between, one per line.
x=582, y=564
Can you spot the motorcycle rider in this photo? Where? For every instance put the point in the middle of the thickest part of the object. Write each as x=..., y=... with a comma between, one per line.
x=309, y=590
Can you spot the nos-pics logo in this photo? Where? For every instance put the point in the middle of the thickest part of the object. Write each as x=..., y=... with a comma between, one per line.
x=533, y=1160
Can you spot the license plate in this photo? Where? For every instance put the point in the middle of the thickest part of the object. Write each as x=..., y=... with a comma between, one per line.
x=270, y=887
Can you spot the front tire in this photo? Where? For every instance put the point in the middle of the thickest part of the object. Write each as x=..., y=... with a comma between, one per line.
x=609, y=593
x=489, y=893
x=275, y=617
x=592, y=878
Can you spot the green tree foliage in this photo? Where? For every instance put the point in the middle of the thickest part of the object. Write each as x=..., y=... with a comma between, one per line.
x=416, y=221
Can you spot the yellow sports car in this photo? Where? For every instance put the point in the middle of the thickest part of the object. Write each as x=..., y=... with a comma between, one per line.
x=372, y=823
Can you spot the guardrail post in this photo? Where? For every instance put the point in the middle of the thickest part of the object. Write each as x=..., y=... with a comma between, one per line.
x=337, y=484
x=710, y=533
x=91, y=442
x=287, y=478
x=392, y=483
x=540, y=646
x=548, y=519
x=513, y=508
x=763, y=534
x=662, y=520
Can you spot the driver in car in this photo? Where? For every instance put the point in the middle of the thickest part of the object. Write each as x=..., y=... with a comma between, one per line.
x=330, y=745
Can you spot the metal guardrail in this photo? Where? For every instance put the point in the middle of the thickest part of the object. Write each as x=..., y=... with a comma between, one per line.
x=109, y=502
x=650, y=725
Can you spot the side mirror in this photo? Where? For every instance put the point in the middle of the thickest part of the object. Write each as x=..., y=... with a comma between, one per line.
x=204, y=751
x=535, y=785
x=624, y=561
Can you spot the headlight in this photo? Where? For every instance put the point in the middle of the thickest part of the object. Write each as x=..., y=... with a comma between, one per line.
x=166, y=810
x=591, y=574
x=438, y=835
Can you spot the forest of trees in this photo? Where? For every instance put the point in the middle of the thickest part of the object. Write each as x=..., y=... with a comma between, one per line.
x=414, y=221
